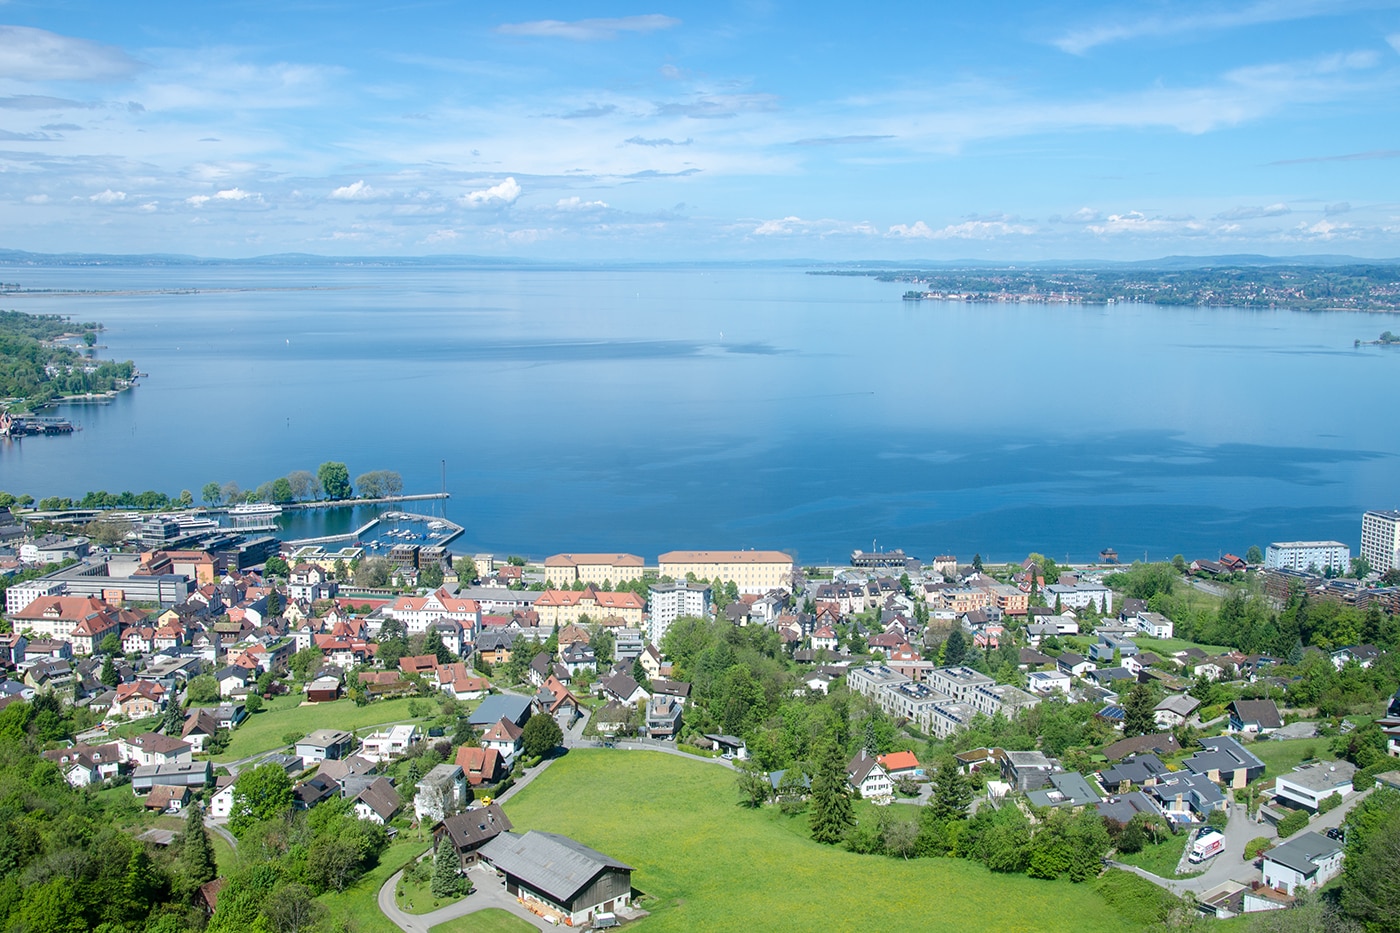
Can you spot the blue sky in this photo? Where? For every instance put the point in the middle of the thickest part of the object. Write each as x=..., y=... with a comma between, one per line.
x=749, y=130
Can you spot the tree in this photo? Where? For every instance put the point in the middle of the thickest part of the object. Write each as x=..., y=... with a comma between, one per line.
x=202, y=689
x=951, y=793
x=274, y=603
x=955, y=648
x=832, y=814
x=447, y=880
x=1360, y=567
x=291, y=909
x=231, y=492
x=465, y=567
x=1371, y=883
x=212, y=494
x=305, y=661
x=335, y=479
x=174, y=721
x=110, y=645
x=753, y=784
x=253, y=704
x=433, y=645
x=378, y=484
x=1254, y=555
x=1139, y=715
x=541, y=735
x=263, y=793
x=109, y=676
x=304, y=484
x=430, y=575
x=197, y=863
x=276, y=566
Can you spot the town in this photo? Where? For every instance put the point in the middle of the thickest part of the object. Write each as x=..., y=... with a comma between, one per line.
x=411, y=739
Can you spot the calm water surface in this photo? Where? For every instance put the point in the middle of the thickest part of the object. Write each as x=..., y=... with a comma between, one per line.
x=658, y=409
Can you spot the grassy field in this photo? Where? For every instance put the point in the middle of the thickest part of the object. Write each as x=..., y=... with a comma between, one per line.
x=707, y=864
x=491, y=920
x=1166, y=647
x=263, y=731
x=1160, y=859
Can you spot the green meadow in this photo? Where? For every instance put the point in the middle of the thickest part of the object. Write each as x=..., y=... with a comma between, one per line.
x=705, y=863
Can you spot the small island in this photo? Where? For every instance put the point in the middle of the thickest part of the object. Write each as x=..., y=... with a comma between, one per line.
x=1386, y=339
x=41, y=365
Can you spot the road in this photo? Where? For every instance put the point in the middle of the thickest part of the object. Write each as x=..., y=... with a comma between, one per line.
x=1230, y=864
x=488, y=891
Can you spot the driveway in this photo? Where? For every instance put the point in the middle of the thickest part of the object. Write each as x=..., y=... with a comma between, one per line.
x=1230, y=864
x=488, y=892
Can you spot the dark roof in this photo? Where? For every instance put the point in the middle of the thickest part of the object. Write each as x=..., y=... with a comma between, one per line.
x=476, y=826
x=551, y=864
x=859, y=767
x=381, y=798
x=675, y=688
x=1163, y=743
x=1222, y=754
x=500, y=706
x=1136, y=770
x=1301, y=854
x=1264, y=712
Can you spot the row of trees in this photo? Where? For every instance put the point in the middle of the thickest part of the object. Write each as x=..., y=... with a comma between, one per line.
x=331, y=478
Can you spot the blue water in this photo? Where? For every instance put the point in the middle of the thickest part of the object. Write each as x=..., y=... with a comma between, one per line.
x=644, y=410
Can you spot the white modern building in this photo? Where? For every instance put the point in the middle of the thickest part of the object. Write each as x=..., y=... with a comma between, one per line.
x=1080, y=596
x=1380, y=540
x=1304, y=555
x=1309, y=786
x=383, y=746
x=668, y=602
x=1307, y=862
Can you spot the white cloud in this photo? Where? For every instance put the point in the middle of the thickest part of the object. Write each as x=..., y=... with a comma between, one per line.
x=1136, y=222
x=37, y=199
x=1079, y=41
x=108, y=197
x=442, y=236
x=1250, y=212
x=358, y=191
x=796, y=226
x=497, y=195
x=228, y=194
x=967, y=230
x=150, y=207
x=1394, y=40
x=588, y=30
x=39, y=55
x=576, y=203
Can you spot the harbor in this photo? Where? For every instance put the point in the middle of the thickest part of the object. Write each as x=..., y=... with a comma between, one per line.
x=383, y=534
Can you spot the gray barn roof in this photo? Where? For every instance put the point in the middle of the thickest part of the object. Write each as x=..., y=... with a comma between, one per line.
x=551, y=864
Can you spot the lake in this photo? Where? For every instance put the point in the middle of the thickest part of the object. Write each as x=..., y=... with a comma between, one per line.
x=648, y=409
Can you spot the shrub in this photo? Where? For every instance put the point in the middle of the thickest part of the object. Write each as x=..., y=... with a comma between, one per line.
x=1217, y=819
x=1257, y=847
x=1293, y=822
x=1330, y=803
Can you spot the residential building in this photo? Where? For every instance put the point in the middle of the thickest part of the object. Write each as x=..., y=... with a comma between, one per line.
x=1186, y=798
x=468, y=831
x=1308, y=861
x=504, y=737
x=663, y=717
x=1154, y=624
x=1225, y=761
x=390, y=743
x=1380, y=540
x=959, y=683
x=899, y=765
x=868, y=779
x=1026, y=770
x=668, y=602
x=87, y=764
x=1048, y=682
x=378, y=802
x=323, y=744
x=1304, y=555
x=751, y=571
x=417, y=613
x=152, y=748
x=1080, y=596
x=1175, y=710
x=563, y=570
x=1254, y=716
x=139, y=699
x=1067, y=789
x=441, y=793
x=558, y=877
x=1308, y=787
x=174, y=774
x=480, y=765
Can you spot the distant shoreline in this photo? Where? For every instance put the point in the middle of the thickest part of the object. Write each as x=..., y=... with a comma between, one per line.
x=153, y=292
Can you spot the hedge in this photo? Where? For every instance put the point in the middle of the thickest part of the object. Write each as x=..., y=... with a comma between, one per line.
x=1329, y=803
x=1293, y=822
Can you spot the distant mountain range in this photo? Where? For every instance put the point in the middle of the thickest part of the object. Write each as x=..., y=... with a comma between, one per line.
x=14, y=257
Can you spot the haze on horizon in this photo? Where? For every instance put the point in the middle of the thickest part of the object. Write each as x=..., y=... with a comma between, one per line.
x=667, y=131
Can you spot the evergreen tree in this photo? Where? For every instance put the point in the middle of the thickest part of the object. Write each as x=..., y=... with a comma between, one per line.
x=109, y=676
x=197, y=862
x=433, y=645
x=977, y=562
x=1138, y=716
x=832, y=813
x=446, y=881
x=951, y=793
x=872, y=741
x=174, y=719
x=955, y=648
x=274, y=603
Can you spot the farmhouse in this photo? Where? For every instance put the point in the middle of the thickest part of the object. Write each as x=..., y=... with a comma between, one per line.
x=468, y=832
x=559, y=878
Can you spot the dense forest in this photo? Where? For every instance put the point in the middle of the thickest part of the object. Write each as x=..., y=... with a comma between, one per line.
x=35, y=370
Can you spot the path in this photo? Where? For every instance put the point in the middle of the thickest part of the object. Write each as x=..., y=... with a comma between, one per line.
x=222, y=832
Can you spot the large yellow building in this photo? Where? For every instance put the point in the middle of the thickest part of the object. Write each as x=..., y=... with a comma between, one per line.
x=566, y=569
x=565, y=607
x=751, y=571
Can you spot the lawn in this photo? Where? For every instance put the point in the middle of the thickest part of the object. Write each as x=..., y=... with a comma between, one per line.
x=490, y=920
x=1282, y=757
x=1161, y=859
x=264, y=731
x=707, y=864
x=1166, y=647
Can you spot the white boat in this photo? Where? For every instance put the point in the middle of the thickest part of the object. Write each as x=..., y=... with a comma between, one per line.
x=255, y=509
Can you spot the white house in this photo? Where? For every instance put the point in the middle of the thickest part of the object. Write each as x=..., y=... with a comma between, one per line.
x=382, y=746
x=1309, y=786
x=1044, y=683
x=221, y=804
x=504, y=737
x=867, y=778
x=1175, y=710
x=1309, y=861
x=1154, y=625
